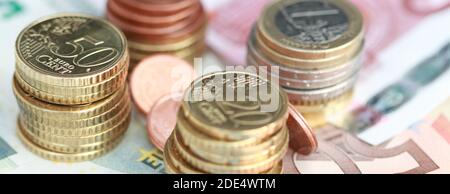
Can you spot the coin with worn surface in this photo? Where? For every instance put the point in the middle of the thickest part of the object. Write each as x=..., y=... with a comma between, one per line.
x=162, y=119
x=301, y=137
x=157, y=76
x=235, y=105
x=311, y=28
x=70, y=50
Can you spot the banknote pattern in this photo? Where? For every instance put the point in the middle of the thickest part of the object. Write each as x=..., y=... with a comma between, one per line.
x=412, y=152
x=399, y=93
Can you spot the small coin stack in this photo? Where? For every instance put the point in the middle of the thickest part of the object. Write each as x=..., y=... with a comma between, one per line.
x=70, y=84
x=314, y=49
x=216, y=132
x=175, y=27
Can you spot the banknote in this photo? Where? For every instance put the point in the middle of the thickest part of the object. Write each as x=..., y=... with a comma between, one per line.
x=411, y=75
x=412, y=152
x=399, y=93
x=230, y=25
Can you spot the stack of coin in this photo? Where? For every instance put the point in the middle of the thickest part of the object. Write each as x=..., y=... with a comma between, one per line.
x=229, y=122
x=70, y=84
x=175, y=27
x=314, y=48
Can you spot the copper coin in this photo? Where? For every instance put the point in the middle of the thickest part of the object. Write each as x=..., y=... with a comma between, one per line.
x=301, y=137
x=158, y=7
x=162, y=119
x=166, y=35
x=157, y=76
x=130, y=15
x=148, y=29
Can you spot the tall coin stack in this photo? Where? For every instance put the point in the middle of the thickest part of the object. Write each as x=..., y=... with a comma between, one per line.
x=244, y=132
x=314, y=47
x=175, y=27
x=70, y=84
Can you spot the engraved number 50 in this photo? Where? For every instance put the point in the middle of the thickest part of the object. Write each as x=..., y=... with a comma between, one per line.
x=86, y=58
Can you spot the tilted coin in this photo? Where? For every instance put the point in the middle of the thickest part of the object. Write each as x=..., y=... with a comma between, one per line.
x=157, y=76
x=162, y=119
x=302, y=139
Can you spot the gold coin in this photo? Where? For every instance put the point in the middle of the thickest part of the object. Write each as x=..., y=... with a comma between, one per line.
x=185, y=43
x=277, y=169
x=311, y=29
x=109, y=129
x=31, y=105
x=70, y=97
x=235, y=106
x=64, y=157
x=176, y=162
x=68, y=146
x=66, y=127
x=112, y=83
x=183, y=53
x=70, y=50
x=330, y=112
x=209, y=167
x=196, y=139
x=248, y=155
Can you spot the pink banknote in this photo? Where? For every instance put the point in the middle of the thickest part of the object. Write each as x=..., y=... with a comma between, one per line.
x=413, y=151
x=386, y=21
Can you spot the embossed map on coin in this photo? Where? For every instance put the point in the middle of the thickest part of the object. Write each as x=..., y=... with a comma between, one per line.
x=70, y=45
x=312, y=22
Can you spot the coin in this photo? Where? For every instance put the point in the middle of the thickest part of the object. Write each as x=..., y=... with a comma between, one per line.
x=196, y=48
x=175, y=161
x=173, y=33
x=302, y=139
x=330, y=112
x=128, y=14
x=210, y=109
x=306, y=84
x=302, y=63
x=70, y=50
x=311, y=29
x=196, y=37
x=75, y=145
x=194, y=138
x=158, y=7
x=162, y=119
x=210, y=167
x=157, y=76
x=64, y=157
x=320, y=96
x=108, y=130
x=250, y=155
x=28, y=103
